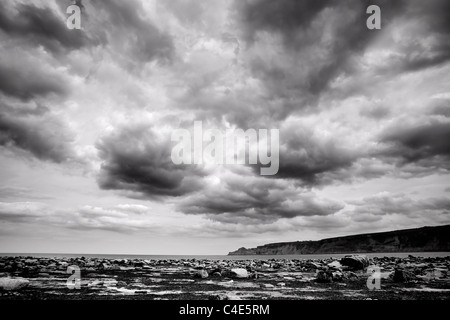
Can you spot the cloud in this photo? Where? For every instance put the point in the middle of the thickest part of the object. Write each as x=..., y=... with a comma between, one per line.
x=312, y=156
x=187, y=11
x=442, y=109
x=138, y=160
x=24, y=77
x=376, y=112
x=20, y=193
x=131, y=33
x=306, y=155
x=320, y=40
x=117, y=27
x=284, y=16
x=42, y=134
x=121, y=218
x=387, y=204
x=20, y=212
x=428, y=47
x=423, y=143
x=41, y=26
x=242, y=198
x=124, y=218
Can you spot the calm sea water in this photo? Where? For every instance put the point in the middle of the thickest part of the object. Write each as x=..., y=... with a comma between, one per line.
x=223, y=257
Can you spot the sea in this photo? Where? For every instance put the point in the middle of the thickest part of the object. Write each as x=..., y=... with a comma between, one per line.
x=226, y=257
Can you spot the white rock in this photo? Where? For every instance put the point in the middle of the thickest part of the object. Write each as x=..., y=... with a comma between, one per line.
x=30, y=261
x=335, y=265
x=239, y=273
x=13, y=283
x=95, y=283
x=201, y=274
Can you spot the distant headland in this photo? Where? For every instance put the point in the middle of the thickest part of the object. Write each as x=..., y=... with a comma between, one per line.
x=423, y=239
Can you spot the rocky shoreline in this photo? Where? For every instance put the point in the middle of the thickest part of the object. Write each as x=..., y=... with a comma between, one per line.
x=408, y=278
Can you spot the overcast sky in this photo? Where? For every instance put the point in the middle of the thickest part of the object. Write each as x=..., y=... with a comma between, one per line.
x=86, y=118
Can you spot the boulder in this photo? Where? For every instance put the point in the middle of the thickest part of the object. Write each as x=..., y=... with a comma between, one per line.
x=337, y=275
x=349, y=275
x=126, y=268
x=356, y=262
x=202, y=274
x=121, y=284
x=239, y=273
x=220, y=296
x=13, y=283
x=313, y=265
x=31, y=261
x=434, y=274
x=401, y=275
x=335, y=265
x=324, y=276
x=104, y=266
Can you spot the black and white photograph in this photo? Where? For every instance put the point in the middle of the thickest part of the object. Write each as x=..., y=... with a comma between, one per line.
x=238, y=150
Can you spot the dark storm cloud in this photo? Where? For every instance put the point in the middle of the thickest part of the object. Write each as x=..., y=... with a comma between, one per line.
x=26, y=81
x=291, y=18
x=415, y=143
x=308, y=158
x=284, y=16
x=123, y=28
x=129, y=31
x=314, y=161
x=248, y=200
x=418, y=57
x=32, y=128
x=136, y=160
x=435, y=16
x=302, y=26
x=41, y=26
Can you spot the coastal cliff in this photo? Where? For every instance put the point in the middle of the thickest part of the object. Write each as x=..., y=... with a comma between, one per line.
x=409, y=240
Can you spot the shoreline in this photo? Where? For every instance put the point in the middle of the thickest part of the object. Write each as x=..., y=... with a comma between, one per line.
x=399, y=254
x=408, y=278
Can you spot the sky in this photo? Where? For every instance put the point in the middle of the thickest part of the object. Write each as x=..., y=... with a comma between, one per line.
x=86, y=118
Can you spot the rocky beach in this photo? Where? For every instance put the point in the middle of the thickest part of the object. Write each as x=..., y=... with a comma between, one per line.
x=411, y=278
